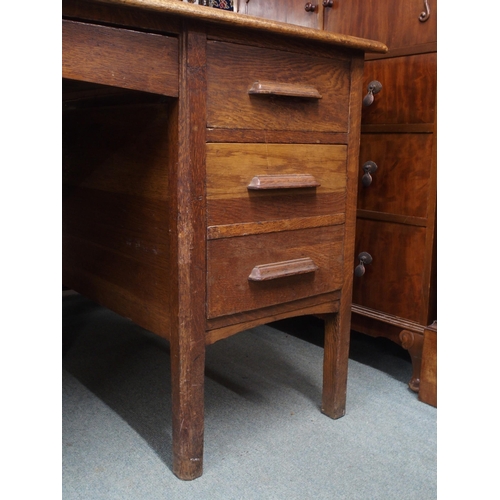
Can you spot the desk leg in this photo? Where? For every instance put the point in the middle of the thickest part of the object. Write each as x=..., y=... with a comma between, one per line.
x=188, y=366
x=336, y=356
x=189, y=239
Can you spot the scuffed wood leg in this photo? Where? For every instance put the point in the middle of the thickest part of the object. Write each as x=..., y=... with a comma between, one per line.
x=188, y=364
x=413, y=343
x=338, y=326
x=188, y=243
x=336, y=356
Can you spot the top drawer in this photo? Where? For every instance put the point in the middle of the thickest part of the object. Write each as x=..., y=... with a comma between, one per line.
x=291, y=91
x=408, y=92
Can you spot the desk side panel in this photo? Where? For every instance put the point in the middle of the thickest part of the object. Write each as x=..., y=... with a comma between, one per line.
x=116, y=250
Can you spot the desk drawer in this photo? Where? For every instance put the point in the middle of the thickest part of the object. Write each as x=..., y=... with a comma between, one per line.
x=250, y=272
x=265, y=89
x=265, y=182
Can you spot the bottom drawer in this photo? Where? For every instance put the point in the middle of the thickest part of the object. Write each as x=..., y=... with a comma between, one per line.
x=393, y=281
x=250, y=272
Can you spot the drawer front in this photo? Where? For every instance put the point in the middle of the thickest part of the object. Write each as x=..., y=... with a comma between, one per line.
x=265, y=89
x=393, y=282
x=251, y=272
x=400, y=184
x=265, y=182
x=408, y=92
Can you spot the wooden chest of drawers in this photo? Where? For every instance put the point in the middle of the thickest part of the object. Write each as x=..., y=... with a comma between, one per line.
x=396, y=296
x=216, y=194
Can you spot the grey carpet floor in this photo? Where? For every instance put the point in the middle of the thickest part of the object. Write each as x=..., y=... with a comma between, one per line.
x=265, y=437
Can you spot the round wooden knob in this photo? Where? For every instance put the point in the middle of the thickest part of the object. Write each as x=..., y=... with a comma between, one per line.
x=309, y=7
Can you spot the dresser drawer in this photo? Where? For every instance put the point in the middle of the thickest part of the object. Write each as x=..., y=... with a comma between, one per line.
x=408, y=92
x=250, y=272
x=266, y=89
x=401, y=183
x=265, y=182
x=393, y=282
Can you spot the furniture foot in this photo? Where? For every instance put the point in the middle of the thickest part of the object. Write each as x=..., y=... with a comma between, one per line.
x=428, y=381
x=336, y=357
x=413, y=343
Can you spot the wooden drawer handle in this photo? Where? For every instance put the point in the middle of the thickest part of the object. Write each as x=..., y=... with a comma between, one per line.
x=284, y=89
x=290, y=181
x=283, y=269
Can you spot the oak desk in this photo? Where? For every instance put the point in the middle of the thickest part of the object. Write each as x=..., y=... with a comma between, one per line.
x=209, y=168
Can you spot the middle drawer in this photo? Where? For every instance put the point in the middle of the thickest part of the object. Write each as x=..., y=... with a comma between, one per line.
x=255, y=183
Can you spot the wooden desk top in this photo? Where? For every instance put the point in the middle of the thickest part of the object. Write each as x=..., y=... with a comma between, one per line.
x=233, y=19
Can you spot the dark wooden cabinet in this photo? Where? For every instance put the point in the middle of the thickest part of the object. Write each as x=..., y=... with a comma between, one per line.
x=396, y=217
x=394, y=296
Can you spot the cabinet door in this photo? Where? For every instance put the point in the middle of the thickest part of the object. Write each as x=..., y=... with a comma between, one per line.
x=395, y=22
x=287, y=11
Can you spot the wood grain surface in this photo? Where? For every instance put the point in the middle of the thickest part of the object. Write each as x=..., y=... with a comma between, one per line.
x=96, y=53
x=231, y=260
x=231, y=106
x=231, y=168
x=408, y=92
